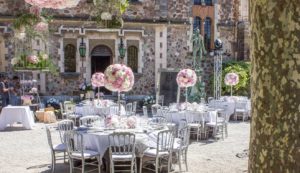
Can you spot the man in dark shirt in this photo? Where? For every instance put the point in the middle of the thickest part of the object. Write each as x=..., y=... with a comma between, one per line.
x=4, y=91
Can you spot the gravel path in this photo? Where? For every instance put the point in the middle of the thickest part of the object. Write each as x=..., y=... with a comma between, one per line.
x=27, y=151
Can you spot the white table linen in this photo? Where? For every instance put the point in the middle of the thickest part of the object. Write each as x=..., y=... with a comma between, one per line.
x=12, y=114
x=98, y=141
x=86, y=110
x=190, y=116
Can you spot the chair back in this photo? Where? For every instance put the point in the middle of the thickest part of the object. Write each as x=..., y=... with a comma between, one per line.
x=48, y=132
x=121, y=143
x=74, y=142
x=241, y=105
x=89, y=121
x=158, y=120
x=61, y=107
x=134, y=107
x=165, y=140
x=182, y=124
x=213, y=116
x=114, y=110
x=128, y=109
x=69, y=107
x=184, y=135
x=64, y=127
x=154, y=109
x=145, y=111
x=161, y=100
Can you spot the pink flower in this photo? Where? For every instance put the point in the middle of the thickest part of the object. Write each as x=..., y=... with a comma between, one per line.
x=41, y=27
x=98, y=80
x=186, y=78
x=35, y=10
x=118, y=76
x=33, y=59
x=231, y=79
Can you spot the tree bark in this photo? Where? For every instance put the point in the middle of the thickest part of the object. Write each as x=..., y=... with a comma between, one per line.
x=275, y=86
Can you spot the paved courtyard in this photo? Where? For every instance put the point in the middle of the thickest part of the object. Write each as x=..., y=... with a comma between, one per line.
x=27, y=151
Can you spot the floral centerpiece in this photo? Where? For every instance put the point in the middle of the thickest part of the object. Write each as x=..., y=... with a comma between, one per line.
x=98, y=81
x=131, y=122
x=119, y=78
x=40, y=61
x=112, y=121
x=186, y=78
x=231, y=79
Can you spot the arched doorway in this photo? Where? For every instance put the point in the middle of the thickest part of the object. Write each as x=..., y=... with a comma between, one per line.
x=101, y=58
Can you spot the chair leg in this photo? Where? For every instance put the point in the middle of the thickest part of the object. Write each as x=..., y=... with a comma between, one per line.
x=71, y=165
x=99, y=164
x=185, y=161
x=83, y=163
x=156, y=165
x=141, y=164
x=179, y=161
x=53, y=163
x=169, y=162
x=64, y=157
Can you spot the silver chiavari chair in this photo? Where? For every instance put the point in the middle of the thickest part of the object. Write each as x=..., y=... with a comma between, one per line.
x=55, y=149
x=128, y=109
x=134, y=105
x=162, y=152
x=122, y=152
x=145, y=111
x=77, y=151
x=181, y=149
x=89, y=121
x=64, y=127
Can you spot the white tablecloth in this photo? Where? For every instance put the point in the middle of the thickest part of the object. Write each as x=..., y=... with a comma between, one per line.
x=99, y=142
x=94, y=110
x=229, y=106
x=12, y=114
x=190, y=116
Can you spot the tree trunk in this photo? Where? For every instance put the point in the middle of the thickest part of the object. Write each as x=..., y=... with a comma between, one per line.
x=275, y=55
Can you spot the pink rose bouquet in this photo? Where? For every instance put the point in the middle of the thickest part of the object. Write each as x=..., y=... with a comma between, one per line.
x=231, y=79
x=41, y=27
x=131, y=122
x=98, y=80
x=119, y=78
x=186, y=78
x=112, y=121
x=33, y=59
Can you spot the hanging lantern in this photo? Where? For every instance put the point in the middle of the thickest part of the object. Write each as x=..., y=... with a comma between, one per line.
x=122, y=49
x=82, y=49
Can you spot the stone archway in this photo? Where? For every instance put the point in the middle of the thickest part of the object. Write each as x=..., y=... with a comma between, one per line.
x=101, y=58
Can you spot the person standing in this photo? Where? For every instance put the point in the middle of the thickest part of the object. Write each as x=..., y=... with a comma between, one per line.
x=4, y=91
x=14, y=92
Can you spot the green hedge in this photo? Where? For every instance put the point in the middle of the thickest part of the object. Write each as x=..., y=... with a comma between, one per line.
x=242, y=68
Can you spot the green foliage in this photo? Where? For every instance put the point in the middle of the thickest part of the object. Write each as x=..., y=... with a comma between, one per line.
x=43, y=64
x=241, y=68
x=25, y=20
x=114, y=7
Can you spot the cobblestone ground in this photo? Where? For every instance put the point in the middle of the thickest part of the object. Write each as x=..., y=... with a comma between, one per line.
x=27, y=151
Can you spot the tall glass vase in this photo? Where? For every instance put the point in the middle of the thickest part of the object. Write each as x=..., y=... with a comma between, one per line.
x=186, y=97
x=119, y=103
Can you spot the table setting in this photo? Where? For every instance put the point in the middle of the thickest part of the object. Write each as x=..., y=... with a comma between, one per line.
x=96, y=136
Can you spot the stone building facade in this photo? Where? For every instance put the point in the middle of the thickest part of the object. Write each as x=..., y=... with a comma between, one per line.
x=156, y=35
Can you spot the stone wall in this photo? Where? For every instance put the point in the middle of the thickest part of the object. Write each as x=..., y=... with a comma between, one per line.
x=233, y=28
